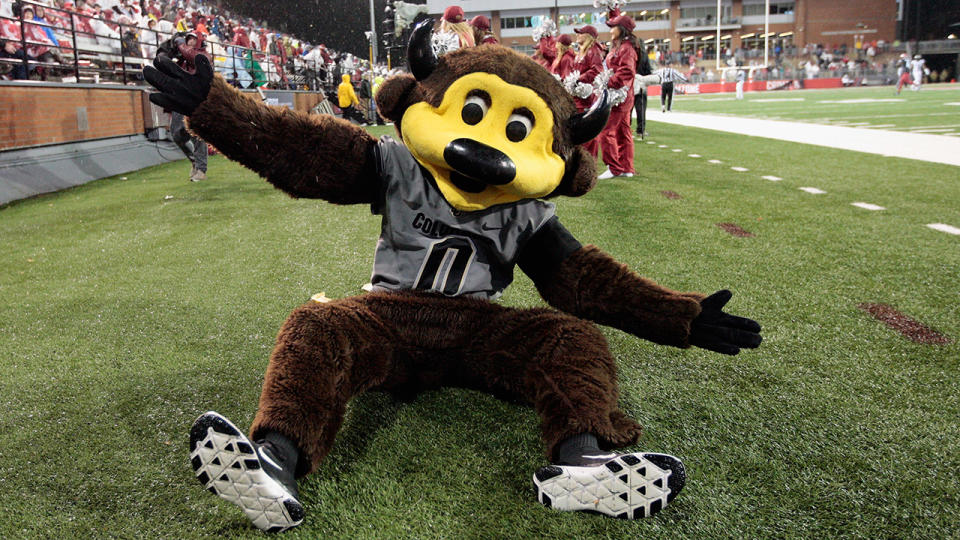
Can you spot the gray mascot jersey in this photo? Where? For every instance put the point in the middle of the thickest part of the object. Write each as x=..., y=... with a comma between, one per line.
x=428, y=245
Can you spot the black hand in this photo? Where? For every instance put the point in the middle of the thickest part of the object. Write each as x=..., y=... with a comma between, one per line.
x=179, y=91
x=720, y=332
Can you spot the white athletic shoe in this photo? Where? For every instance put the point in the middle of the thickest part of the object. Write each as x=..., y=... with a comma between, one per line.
x=244, y=473
x=626, y=486
x=605, y=175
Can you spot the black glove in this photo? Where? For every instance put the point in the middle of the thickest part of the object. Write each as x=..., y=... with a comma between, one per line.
x=180, y=91
x=717, y=331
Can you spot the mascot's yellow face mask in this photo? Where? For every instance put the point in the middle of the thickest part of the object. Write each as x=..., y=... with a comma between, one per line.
x=488, y=143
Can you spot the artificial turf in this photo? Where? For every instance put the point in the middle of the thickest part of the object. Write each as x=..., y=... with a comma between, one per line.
x=130, y=305
x=935, y=107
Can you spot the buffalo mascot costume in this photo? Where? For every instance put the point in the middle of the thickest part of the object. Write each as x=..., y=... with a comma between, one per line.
x=485, y=135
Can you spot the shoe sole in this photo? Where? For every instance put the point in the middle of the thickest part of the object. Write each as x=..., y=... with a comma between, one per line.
x=225, y=462
x=630, y=486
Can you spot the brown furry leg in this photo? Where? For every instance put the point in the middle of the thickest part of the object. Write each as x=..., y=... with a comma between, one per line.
x=559, y=363
x=325, y=354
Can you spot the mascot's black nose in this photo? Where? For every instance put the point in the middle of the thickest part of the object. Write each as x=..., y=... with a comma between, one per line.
x=480, y=162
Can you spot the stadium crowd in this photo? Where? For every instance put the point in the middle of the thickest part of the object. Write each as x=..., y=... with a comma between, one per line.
x=114, y=37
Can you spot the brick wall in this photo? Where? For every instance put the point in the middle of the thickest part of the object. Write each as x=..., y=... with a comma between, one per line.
x=37, y=115
x=831, y=22
x=41, y=115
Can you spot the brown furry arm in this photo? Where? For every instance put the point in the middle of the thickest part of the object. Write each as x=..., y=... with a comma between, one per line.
x=317, y=157
x=593, y=285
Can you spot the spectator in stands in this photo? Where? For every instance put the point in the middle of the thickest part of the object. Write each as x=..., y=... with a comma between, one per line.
x=10, y=49
x=563, y=63
x=42, y=47
x=481, y=31
x=46, y=25
x=149, y=39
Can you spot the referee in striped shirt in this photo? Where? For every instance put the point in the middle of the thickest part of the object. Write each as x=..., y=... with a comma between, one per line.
x=667, y=76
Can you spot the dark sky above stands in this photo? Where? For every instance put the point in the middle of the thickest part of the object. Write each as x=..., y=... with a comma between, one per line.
x=339, y=24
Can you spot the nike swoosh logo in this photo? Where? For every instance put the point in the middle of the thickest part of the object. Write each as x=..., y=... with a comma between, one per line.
x=600, y=456
x=265, y=457
x=486, y=228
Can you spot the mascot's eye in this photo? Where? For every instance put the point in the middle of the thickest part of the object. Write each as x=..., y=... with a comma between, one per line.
x=474, y=109
x=518, y=127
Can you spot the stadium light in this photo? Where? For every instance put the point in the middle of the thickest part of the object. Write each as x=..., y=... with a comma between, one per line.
x=726, y=36
x=750, y=35
x=665, y=11
x=785, y=34
x=642, y=13
x=648, y=40
x=688, y=38
x=952, y=36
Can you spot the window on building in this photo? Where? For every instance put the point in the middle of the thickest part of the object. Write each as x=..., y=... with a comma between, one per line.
x=706, y=14
x=516, y=22
x=579, y=19
x=648, y=15
x=526, y=50
x=776, y=8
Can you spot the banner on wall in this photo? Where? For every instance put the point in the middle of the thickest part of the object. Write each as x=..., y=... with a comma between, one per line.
x=751, y=86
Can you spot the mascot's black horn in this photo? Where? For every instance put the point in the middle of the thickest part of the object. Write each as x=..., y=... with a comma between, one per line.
x=420, y=50
x=588, y=124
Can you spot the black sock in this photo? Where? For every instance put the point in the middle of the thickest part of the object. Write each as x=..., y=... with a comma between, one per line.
x=283, y=449
x=572, y=448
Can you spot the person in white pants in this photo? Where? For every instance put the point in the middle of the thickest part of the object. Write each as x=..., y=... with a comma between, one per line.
x=741, y=77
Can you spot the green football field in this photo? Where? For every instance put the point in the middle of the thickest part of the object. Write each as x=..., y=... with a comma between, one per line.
x=131, y=305
x=934, y=109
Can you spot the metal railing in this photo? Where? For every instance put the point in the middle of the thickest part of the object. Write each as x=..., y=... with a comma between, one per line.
x=93, y=56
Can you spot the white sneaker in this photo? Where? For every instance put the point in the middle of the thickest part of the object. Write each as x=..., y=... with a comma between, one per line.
x=625, y=175
x=625, y=486
x=605, y=175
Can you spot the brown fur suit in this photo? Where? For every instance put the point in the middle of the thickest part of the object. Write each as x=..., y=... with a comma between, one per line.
x=404, y=341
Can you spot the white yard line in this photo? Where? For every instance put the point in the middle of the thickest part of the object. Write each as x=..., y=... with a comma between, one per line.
x=739, y=169
x=813, y=190
x=868, y=206
x=943, y=227
x=772, y=178
x=677, y=150
x=693, y=155
x=715, y=161
x=921, y=146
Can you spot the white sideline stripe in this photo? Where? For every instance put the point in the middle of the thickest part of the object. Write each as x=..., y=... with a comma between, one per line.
x=919, y=146
x=772, y=100
x=943, y=227
x=868, y=206
x=715, y=161
x=662, y=146
x=953, y=103
x=772, y=178
x=864, y=100
x=651, y=142
x=677, y=150
x=859, y=124
x=813, y=190
x=739, y=169
x=693, y=155
x=881, y=126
